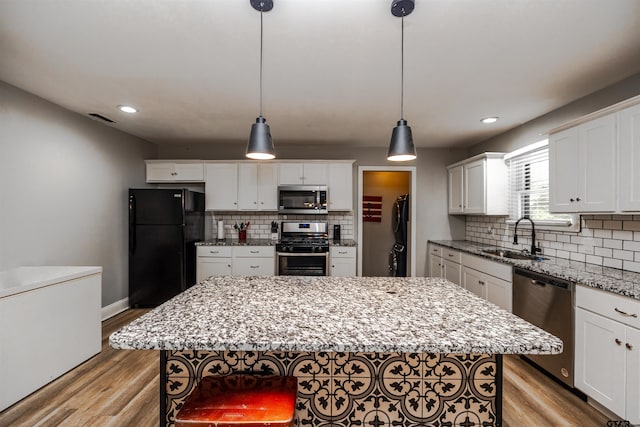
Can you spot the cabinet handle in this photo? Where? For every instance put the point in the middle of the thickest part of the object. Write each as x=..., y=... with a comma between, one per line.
x=629, y=346
x=214, y=252
x=481, y=282
x=254, y=266
x=618, y=341
x=571, y=200
x=451, y=255
x=577, y=199
x=342, y=252
x=624, y=313
x=254, y=252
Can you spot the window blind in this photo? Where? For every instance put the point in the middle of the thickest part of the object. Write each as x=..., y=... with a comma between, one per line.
x=528, y=174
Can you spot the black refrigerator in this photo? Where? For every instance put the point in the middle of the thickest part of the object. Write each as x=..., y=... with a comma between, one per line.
x=164, y=225
x=398, y=254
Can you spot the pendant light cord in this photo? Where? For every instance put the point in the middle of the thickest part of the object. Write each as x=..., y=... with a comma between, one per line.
x=402, y=70
x=261, y=62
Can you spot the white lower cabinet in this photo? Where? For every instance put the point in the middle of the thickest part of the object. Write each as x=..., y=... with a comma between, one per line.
x=253, y=261
x=343, y=261
x=234, y=261
x=488, y=279
x=213, y=261
x=445, y=263
x=607, y=363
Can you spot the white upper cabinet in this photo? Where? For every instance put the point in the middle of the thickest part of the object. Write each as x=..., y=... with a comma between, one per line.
x=268, y=187
x=303, y=173
x=221, y=187
x=341, y=186
x=174, y=171
x=248, y=186
x=241, y=186
x=629, y=158
x=456, y=190
x=582, y=167
x=478, y=185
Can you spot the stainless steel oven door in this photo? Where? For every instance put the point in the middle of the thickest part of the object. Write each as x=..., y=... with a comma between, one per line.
x=302, y=264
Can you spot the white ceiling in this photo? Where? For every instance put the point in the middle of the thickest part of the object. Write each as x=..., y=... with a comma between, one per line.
x=331, y=68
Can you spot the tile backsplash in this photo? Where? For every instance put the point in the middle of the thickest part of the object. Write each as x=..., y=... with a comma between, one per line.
x=260, y=227
x=607, y=240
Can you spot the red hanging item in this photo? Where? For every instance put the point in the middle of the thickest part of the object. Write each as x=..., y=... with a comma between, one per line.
x=372, y=208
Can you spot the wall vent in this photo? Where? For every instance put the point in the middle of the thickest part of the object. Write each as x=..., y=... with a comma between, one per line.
x=101, y=117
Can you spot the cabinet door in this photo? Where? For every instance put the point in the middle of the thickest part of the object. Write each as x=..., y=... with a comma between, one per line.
x=563, y=171
x=343, y=267
x=221, y=186
x=435, y=266
x=290, y=173
x=191, y=172
x=600, y=359
x=340, y=187
x=629, y=158
x=207, y=267
x=456, y=189
x=633, y=376
x=316, y=174
x=452, y=271
x=499, y=292
x=160, y=172
x=248, y=186
x=268, y=187
x=597, y=165
x=474, y=187
x=474, y=281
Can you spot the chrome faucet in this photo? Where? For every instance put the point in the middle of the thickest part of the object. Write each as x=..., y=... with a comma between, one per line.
x=534, y=249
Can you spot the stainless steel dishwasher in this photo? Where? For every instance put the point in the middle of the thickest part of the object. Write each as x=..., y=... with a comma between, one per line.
x=548, y=303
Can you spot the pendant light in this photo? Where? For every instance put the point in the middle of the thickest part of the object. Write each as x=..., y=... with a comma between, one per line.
x=260, y=144
x=401, y=147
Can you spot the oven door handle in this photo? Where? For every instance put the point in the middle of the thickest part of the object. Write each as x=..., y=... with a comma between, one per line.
x=307, y=254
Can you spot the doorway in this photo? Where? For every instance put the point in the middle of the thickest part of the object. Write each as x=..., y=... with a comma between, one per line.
x=378, y=190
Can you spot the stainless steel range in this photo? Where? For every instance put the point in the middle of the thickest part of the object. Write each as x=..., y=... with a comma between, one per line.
x=303, y=249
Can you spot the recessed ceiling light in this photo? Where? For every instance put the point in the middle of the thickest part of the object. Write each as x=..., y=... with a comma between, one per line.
x=127, y=109
x=488, y=120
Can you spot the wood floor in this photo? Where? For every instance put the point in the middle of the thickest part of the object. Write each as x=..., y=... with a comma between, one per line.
x=119, y=388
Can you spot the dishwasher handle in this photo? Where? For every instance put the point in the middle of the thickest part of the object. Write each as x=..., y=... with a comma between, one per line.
x=543, y=280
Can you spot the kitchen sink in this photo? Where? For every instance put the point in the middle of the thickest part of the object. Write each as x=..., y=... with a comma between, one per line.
x=505, y=253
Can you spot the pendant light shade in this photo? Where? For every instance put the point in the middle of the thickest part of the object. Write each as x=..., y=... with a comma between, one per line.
x=401, y=147
x=260, y=146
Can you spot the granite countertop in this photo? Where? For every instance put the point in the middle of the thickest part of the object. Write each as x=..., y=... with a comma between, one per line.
x=341, y=314
x=265, y=242
x=24, y=279
x=343, y=242
x=236, y=242
x=621, y=282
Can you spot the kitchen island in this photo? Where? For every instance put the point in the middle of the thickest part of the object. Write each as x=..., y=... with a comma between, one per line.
x=367, y=351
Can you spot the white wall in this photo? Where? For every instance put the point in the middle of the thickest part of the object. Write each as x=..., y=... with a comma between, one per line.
x=432, y=220
x=534, y=130
x=64, y=182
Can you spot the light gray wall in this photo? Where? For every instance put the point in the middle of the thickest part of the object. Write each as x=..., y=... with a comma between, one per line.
x=534, y=130
x=64, y=189
x=432, y=220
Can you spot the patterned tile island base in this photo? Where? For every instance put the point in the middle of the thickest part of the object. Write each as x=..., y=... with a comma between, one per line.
x=356, y=388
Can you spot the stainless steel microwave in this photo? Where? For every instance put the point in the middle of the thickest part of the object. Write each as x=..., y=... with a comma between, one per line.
x=302, y=199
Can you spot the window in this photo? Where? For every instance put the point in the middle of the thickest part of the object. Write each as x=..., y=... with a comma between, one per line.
x=528, y=170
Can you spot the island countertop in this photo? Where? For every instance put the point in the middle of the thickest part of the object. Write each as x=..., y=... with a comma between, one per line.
x=333, y=314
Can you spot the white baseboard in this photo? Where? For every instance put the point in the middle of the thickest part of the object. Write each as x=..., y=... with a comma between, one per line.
x=115, y=308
